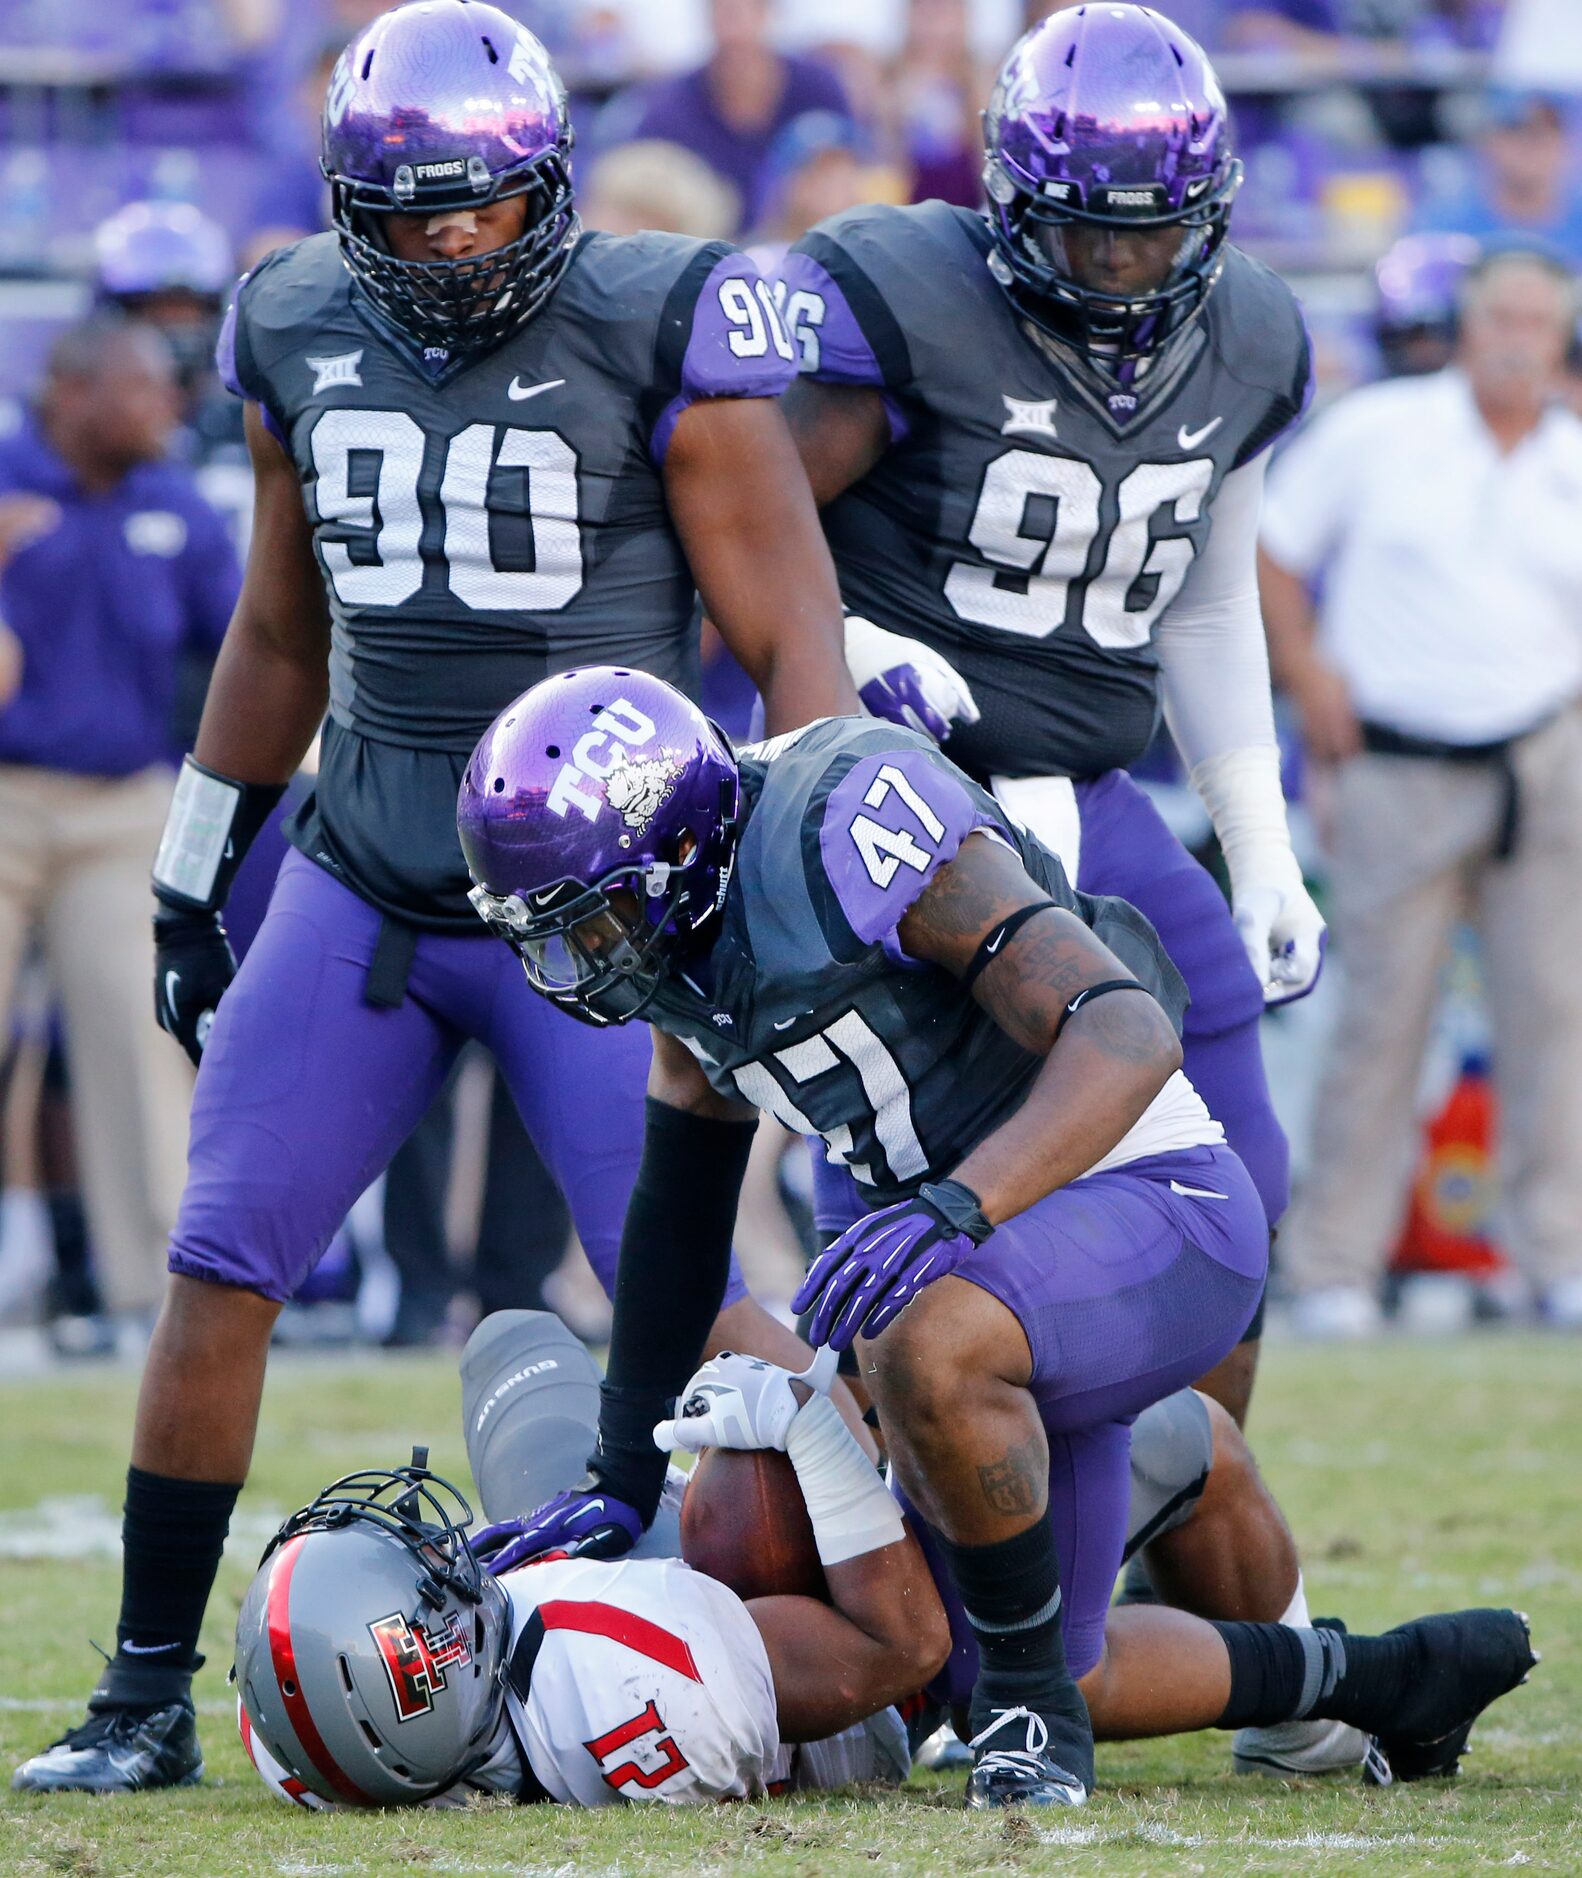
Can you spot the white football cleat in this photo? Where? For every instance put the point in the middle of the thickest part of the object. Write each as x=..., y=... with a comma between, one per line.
x=1337, y=1314
x=1299, y=1747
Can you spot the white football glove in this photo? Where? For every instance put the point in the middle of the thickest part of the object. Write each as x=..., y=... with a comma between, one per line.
x=1284, y=934
x=1281, y=928
x=905, y=681
x=741, y=1402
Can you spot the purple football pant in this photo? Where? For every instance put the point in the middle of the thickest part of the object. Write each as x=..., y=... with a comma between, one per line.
x=1128, y=851
x=1126, y=1287
x=306, y=1090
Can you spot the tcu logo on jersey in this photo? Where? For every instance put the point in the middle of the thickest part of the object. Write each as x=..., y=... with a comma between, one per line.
x=635, y=790
x=416, y=1658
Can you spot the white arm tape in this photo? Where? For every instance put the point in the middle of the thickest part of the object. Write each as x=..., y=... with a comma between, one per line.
x=197, y=830
x=1241, y=791
x=850, y=1507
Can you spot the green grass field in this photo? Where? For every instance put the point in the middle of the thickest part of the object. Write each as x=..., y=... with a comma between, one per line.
x=1418, y=1477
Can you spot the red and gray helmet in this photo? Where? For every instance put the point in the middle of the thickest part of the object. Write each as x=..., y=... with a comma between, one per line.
x=598, y=818
x=371, y=1645
x=447, y=105
x=1107, y=115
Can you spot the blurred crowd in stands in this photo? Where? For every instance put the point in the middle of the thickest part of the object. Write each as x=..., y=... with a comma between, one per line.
x=152, y=149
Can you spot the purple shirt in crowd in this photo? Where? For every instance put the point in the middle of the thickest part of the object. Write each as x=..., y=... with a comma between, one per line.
x=682, y=110
x=104, y=605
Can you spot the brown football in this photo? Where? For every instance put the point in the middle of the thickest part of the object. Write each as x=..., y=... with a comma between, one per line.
x=744, y=1522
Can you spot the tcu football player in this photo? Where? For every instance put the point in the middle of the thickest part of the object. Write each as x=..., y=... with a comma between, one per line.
x=847, y=932
x=376, y=1664
x=486, y=446
x=1038, y=439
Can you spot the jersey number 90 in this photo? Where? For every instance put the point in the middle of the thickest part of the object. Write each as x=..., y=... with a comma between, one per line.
x=367, y=466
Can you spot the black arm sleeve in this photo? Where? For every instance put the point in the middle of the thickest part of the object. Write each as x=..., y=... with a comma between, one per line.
x=675, y=1259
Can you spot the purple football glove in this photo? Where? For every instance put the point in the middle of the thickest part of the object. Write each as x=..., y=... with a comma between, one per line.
x=876, y=1267
x=583, y=1522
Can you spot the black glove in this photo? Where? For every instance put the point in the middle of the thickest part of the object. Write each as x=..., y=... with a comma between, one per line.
x=193, y=966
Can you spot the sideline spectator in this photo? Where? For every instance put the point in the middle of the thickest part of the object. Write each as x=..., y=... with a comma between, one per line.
x=652, y=184
x=937, y=88
x=1443, y=681
x=1416, y=284
x=1526, y=183
x=112, y=564
x=730, y=110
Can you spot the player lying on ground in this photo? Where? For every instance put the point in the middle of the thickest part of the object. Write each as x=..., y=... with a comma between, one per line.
x=590, y=1681
x=844, y=930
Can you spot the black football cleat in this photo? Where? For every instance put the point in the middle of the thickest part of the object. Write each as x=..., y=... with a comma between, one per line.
x=119, y=1750
x=1007, y=1775
x=1465, y=1661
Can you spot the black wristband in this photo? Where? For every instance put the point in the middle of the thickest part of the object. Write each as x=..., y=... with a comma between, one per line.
x=674, y=1265
x=958, y=1206
x=213, y=821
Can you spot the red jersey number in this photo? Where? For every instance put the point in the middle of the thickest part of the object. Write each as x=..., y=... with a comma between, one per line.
x=649, y=1729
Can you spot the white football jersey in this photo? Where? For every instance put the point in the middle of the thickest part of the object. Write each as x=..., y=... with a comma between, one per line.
x=651, y=1682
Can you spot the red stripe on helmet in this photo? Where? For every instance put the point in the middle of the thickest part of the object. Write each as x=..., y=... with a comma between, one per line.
x=284, y=1658
x=595, y=1619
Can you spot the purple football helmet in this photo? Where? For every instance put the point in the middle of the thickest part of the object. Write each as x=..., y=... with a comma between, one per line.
x=598, y=817
x=447, y=105
x=1111, y=116
x=1417, y=283
x=161, y=247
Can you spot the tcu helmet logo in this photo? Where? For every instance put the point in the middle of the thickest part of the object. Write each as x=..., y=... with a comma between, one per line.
x=416, y=1659
x=634, y=790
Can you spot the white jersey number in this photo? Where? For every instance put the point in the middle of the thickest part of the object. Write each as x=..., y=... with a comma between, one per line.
x=367, y=465
x=1038, y=517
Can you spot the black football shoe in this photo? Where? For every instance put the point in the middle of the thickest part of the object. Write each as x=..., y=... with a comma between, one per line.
x=1015, y=1768
x=119, y=1751
x=1464, y=1661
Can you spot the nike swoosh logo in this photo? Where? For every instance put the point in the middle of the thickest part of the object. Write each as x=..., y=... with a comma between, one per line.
x=1187, y=439
x=994, y=944
x=172, y=985
x=517, y=390
x=1197, y=1193
x=785, y=1023
x=148, y=1649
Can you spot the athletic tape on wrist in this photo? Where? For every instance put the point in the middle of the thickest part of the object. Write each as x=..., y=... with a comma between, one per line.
x=197, y=830
x=850, y=1506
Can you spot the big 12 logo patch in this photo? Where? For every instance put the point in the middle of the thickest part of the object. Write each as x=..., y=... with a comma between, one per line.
x=416, y=1658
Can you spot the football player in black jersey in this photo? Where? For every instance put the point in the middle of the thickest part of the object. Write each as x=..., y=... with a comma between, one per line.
x=487, y=446
x=1037, y=438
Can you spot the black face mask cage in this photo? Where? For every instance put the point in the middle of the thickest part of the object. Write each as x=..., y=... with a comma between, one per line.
x=425, y=1512
x=615, y=982
x=1109, y=330
x=470, y=304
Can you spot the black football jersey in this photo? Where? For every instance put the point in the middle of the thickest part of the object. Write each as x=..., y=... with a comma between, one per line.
x=1030, y=521
x=808, y=1007
x=485, y=521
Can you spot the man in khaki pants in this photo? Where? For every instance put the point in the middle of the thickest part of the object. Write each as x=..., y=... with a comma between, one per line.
x=111, y=567
x=1442, y=682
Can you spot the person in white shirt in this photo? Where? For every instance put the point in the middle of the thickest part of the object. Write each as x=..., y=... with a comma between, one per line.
x=1440, y=677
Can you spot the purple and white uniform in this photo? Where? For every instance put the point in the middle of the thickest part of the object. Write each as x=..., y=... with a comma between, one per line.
x=481, y=521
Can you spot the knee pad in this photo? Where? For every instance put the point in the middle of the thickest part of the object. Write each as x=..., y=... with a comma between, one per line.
x=530, y=1408
x=1172, y=1452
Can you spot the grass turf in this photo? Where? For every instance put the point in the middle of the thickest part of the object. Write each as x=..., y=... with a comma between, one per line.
x=1417, y=1477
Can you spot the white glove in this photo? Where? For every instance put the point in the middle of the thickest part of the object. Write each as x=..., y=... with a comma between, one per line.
x=1283, y=932
x=1281, y=928
x=741, y=1402
x=905, y=681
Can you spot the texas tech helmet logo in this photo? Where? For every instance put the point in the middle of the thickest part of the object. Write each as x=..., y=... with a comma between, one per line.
x=416, y=1658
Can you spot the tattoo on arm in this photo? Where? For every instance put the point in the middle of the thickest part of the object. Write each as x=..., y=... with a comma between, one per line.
x=1019, y=1480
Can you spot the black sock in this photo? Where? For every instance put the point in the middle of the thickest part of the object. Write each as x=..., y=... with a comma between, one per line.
x=1280, y=1674
x=1011, y=1591
x=172, y=1535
